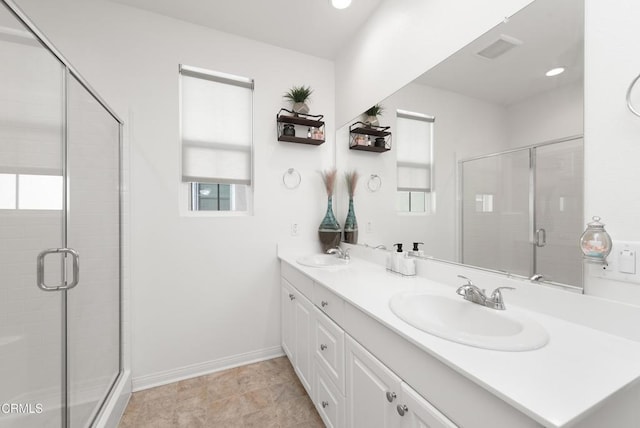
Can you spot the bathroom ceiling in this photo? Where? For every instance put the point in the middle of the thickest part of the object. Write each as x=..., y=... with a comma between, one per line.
x=520, y=72
x=309, y=26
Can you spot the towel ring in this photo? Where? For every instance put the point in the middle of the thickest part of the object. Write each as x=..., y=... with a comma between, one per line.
x=374, y=183
x=291, y=178
x=629, y=103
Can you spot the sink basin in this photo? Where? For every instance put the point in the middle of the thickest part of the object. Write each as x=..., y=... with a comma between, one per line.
x=459, y=320
x=322, y=261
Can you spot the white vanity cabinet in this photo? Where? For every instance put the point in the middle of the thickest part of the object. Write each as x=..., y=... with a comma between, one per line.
x=329, y=358
x=418, y=412
x=348, y=385
x=297, y=330
x=372, y=389
x=379, y=398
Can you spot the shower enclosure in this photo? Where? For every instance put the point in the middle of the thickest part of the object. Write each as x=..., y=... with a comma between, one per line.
x=60, y=292
x=522, y=211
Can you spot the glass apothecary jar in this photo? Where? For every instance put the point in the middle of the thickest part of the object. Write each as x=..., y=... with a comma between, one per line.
x=595, y=242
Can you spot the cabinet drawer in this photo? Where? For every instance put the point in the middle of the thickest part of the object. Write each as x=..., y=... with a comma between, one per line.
x=328, y=303
x=329, y=348
x=328, y=400
x=303, y=283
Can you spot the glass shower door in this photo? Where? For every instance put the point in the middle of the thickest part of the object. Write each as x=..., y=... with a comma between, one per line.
x=496, y=224
x=31, y=220
x=93, y=324
x=558, y=211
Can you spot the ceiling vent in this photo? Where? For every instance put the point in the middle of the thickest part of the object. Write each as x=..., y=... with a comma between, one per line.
x=498, y=48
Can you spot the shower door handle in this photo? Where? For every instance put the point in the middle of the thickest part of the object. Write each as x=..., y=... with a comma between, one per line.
x=65, y=284
x=541, y=237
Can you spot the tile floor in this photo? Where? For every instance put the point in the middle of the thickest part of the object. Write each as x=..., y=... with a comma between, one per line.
x=266, y=394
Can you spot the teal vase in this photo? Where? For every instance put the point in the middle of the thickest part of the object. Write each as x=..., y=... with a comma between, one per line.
x=329, y=230
x=351, y=225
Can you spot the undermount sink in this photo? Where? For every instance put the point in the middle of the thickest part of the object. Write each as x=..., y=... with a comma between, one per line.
x=461, y=321
x=322, y=261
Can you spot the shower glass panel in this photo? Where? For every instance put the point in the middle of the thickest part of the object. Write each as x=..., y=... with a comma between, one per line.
x=558, y=211
x=495, y=213
x=522, y=211
x=31, y=219
x=93, y=306
x=59, y=237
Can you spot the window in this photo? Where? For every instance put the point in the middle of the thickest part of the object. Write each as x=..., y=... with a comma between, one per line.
x=484, y=203
x=216, y=197
x=414, y=143
x=30, y=192
x=216, y=132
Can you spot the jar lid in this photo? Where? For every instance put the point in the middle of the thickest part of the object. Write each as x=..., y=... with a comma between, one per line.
x=596, y=223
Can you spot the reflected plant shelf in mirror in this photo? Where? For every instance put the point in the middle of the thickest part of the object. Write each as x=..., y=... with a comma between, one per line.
x=300, y=128
x=369, y=138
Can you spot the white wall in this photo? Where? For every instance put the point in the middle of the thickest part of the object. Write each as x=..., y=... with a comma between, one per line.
x=612, y=148
x=464, y=127
x=204, y=290
x=547, y=116
x=401, y=40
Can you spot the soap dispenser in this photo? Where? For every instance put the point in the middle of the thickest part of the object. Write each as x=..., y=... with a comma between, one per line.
x=416, y=251
x=395, y=259
x=407, y=265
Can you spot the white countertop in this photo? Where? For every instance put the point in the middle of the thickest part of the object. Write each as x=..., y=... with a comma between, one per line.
x=556, y=385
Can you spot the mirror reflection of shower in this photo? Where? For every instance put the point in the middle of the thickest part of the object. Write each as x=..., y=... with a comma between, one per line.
x=522, y=209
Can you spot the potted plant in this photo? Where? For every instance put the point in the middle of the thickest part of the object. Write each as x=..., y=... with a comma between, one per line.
x=298, y=95
x=371, y=115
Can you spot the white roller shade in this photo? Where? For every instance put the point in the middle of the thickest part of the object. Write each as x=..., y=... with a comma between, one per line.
x=414, y=151
x=216, y=126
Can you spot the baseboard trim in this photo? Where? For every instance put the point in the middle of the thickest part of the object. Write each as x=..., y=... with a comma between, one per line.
x=194, y=370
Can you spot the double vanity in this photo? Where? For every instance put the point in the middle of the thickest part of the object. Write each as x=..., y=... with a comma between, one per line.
x=375, y=349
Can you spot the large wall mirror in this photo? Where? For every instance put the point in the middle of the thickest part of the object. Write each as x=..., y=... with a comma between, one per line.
x=486, y=159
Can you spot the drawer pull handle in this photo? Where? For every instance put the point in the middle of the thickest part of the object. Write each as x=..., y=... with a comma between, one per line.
x=391, y=396
x=324, y=404
x=291, y=296
x=324, y=303
x=323, y=347
x=402, y=409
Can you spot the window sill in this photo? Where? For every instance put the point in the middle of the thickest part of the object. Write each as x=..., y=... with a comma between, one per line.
x=218, y=214
x=414, y=214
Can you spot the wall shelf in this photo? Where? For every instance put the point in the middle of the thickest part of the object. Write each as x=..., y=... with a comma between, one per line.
x=360, y=135
x=301, y=124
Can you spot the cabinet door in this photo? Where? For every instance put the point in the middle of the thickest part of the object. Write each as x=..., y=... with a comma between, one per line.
x=418, y=412
x=303, y=342
x=287, y=326
x=371, y=390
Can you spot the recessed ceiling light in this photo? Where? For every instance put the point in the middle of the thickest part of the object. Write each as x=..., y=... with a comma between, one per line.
x=340, y=4
x=554, y=71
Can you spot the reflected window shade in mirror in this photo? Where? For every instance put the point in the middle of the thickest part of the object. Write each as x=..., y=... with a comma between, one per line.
x=414, y=136
x=414, y=169
x=216, y=127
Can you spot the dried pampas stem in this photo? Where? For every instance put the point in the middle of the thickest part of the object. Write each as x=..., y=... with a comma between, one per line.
x=329, y=179
x=351, y=177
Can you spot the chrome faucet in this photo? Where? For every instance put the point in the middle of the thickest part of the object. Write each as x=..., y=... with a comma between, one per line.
x=536, y=278
x=475, y=295
x=341, y=254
